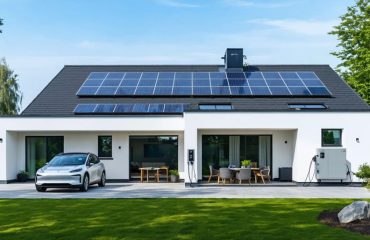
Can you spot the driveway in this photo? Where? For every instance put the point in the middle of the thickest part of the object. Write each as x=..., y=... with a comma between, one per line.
x=178, y=190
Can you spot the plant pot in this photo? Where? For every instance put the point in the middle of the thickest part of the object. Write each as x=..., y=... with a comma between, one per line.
x=22, y=178
x=174, y=178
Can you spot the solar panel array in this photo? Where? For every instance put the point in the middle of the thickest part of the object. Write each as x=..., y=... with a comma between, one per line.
x=130, y=108
x=203, y=84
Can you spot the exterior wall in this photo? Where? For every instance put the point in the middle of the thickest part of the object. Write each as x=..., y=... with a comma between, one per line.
x=11, y=147
x=282, y=153
x=117, y=168
x=80, y=134
x=301, y=130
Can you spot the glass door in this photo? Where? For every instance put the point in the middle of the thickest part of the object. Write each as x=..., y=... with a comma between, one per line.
x=40, y=150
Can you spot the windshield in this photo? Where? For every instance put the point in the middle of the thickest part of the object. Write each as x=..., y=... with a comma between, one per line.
x=68, y=160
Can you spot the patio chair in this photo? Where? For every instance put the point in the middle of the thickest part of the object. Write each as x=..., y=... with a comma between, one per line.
x=244, y=174
x=212, y=172
x=264, y=173
x=225, y=173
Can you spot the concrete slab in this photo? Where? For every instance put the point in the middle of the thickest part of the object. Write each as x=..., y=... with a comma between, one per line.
x=178, y=190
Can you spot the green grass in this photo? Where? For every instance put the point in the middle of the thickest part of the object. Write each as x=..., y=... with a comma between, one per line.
x=169, y=219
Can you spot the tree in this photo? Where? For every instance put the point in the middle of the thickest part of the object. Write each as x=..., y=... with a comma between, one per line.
x=1, y=23
x=354, y=47
x=10, y=94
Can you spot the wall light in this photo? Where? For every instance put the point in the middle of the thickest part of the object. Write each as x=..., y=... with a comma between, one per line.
x=357, y=140
x=286, y=142
x=119, y=147
x=1, y=140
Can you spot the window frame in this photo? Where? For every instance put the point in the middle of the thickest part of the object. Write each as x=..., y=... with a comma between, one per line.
x=340, y=144
x=100, y=148
x=307, y=106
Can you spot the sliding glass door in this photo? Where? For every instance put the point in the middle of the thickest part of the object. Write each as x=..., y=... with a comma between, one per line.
x=152, y=151
x=40, y=150
x=225, y=150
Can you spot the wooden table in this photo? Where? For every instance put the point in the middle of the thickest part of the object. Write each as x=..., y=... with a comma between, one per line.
x=147, y=169
x=254, y=170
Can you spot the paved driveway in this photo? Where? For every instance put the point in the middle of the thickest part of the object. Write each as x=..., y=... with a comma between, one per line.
x=178, y=190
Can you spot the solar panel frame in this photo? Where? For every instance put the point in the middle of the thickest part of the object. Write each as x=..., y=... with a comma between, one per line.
x=120, y=84
x=115, y=75
x=129, y=108
x=84, y=108
x=105, y=108
x=87, y=91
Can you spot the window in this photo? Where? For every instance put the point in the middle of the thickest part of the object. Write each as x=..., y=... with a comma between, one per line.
x=40, y=149
x=306, y=106
x=105, y=146
x=331, y=137
x=215, y=107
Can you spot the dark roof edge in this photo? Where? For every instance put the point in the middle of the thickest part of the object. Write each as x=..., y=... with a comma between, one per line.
x=353, y=90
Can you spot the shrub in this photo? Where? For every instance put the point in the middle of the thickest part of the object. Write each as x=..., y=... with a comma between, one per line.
x=22, y=176
x=246, y=163
x=364, y=173
x=174, y=172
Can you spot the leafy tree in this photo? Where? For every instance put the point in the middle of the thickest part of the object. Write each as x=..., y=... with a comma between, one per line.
x=364, y=173
x=10, y=94
x=354, y=47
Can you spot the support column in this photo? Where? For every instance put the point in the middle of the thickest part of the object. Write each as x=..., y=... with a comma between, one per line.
x=3, y=157
x=191, y=142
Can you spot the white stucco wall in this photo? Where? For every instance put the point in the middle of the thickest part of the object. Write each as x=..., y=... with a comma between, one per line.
x=282, y=153
x=81, y=134
x=301, y=130
x=304, y=128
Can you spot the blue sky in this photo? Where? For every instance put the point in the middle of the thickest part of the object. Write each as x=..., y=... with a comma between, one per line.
x=40, y=37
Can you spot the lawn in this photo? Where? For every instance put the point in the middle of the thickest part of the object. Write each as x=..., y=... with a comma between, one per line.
x=169, y=219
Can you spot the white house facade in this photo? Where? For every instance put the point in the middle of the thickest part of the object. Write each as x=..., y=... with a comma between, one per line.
x=138, y=116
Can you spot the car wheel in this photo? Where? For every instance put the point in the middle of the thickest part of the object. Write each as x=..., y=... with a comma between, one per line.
x=102, y=180
x=40, y=189
x=85, y=184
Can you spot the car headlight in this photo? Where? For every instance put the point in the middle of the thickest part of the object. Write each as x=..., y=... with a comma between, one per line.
x=76, y=170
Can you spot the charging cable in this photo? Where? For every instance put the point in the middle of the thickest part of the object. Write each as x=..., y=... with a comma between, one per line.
x=310, y=176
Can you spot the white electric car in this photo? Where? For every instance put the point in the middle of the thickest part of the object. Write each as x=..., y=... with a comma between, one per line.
x=71, y=170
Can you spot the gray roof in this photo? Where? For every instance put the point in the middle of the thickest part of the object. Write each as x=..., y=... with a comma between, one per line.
x=59, y=98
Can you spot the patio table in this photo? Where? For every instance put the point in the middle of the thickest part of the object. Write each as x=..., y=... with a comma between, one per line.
x=254, y=170
x=147, y=169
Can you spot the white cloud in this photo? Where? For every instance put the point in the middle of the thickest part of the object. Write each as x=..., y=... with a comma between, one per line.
x=246, y=3
x=305, y=27
x=176, y=3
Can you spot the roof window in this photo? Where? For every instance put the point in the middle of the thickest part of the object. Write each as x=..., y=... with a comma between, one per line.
x=309, y=106
x=215, y=107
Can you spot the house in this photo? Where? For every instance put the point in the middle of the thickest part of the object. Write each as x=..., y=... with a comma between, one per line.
x=153, y=115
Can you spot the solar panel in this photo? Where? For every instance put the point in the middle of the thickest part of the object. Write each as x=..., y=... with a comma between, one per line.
x=110, y=108
x=203, y=84
x=85, y=108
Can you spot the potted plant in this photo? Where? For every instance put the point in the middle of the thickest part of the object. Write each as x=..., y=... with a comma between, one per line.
x=174, y=175
x=246, y=163
x=364, y=173
x=22, y=176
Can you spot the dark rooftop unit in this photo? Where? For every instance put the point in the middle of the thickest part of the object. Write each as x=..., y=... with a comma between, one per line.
x=233, y=59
